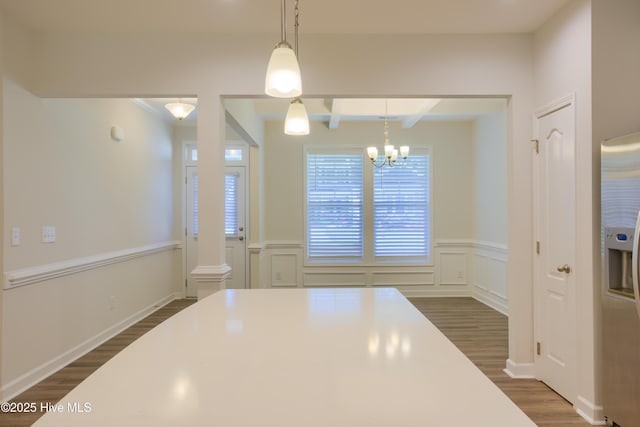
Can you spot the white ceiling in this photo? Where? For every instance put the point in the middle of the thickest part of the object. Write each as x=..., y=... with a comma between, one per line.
x=263, y=16
x=316, y=17
x=333, y=111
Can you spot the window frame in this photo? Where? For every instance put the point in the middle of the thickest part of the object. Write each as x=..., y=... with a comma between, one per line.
x=369, y=259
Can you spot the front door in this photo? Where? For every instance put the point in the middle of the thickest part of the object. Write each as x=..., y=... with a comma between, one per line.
x=234, y=226
x=554, y=256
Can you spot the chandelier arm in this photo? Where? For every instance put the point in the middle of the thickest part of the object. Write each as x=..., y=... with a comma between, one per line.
x=377, y=164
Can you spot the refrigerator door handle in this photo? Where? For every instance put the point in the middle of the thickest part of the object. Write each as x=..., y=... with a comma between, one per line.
x=634, y=264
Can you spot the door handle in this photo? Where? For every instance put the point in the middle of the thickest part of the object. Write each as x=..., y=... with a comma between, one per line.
x=241, y=238
x=564, y=268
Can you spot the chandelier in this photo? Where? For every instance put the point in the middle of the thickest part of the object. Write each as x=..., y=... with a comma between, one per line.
x=390, y=157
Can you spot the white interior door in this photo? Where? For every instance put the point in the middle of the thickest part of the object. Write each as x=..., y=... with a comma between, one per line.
x=234, y=226
x=191, y=232
x=554, y=258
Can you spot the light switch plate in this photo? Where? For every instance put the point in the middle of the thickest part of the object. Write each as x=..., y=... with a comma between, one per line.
x=48, y=234
x=15, y=236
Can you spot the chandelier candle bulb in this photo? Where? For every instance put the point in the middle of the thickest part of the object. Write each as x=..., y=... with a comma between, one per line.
x=388, y=151
x=372, y=152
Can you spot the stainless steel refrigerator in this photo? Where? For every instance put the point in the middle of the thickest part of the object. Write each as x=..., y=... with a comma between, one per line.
x=620, y=198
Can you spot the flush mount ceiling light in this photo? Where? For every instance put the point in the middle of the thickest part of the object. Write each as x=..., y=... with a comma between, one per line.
x=283, y=72
x=180, y=110
x=390, y=152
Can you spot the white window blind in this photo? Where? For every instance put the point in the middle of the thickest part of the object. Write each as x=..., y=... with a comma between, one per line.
x=334, y=207
x=401, y=211
x=231, y=204
x=195, y=204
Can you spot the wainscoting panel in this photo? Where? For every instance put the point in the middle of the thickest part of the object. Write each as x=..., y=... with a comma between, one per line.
x=68, y=308
x=402, y=278
x=452, y=264
x=489, y=273
x=335, y=279
x=283, y=264
x=284, y=270
x=459, y=268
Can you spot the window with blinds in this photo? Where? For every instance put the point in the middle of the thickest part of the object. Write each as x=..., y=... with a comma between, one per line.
x=395, y=219
x=231, y=205
x=401, y=211
x=334, y=190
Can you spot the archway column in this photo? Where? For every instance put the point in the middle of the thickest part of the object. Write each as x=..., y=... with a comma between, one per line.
x=211, y=271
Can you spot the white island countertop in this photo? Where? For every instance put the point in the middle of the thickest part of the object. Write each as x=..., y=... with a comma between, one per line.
x=290, y=357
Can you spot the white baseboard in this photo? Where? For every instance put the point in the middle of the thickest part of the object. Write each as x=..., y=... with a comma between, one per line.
x=24, y=382
x=497, y=303
x=520, y=370
x=434, y=291
x=594, y=414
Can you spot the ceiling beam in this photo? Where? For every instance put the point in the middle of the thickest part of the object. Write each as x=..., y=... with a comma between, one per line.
x=410, y=121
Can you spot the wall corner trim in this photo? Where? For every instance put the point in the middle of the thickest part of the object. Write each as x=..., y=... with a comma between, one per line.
x=520, y=370
x=594, y=414
x=41, y=273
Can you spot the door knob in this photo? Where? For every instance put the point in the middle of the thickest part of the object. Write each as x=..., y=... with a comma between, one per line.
x=564, y=268
x=241, y=238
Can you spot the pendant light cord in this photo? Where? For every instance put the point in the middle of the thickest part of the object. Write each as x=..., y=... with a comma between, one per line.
x=283, y=21
x=295, y=27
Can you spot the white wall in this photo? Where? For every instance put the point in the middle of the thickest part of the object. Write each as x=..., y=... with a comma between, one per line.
x=104, y=197
x=490, y=204
x=490, y=211
x=451, y=151
x=562, y=64
x=210, y=66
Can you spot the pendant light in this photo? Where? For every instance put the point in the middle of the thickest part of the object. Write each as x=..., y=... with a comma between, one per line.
x=297, y=120
x=283, y=72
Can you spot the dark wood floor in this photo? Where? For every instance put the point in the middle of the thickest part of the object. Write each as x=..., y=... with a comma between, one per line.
x=481, y=334
x=478, y=331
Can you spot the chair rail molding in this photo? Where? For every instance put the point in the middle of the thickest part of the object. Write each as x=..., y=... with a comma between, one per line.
x=41, y=273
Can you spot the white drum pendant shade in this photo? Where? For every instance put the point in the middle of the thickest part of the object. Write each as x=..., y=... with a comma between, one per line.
x=283, y=73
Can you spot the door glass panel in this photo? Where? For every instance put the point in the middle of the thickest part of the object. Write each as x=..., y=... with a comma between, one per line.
x=231, y=205
x=194, y=210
